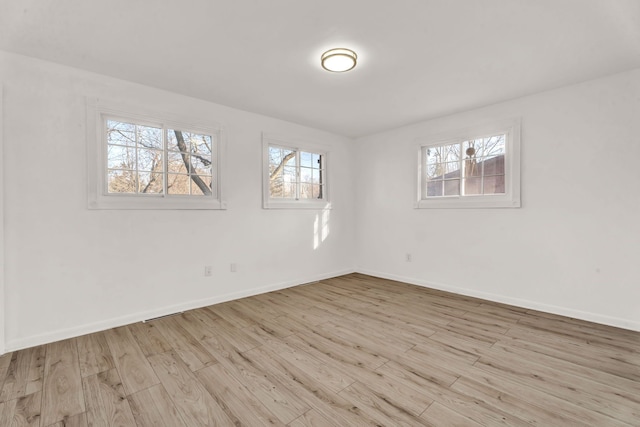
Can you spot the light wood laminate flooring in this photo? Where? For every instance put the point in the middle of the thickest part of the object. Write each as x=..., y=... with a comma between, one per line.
x=349, y=351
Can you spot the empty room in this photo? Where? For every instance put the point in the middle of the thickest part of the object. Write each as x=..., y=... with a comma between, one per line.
x=336, y=213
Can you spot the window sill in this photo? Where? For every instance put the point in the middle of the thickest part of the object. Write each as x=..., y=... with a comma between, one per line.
x=319, y=205
x=154, y=203
x=468, y=202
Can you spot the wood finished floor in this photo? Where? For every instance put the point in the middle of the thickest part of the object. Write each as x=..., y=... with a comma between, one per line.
x=349, y=351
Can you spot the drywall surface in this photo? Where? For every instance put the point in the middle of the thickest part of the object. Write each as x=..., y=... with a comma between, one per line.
x=71, y=270
x=571, y=249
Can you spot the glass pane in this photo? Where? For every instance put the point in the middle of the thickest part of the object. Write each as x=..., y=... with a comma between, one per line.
x=201, y=165
x=451, y=170
x=315, y=176
x=149, y=137
x=434, y=188
x=197, y=191
x=121, y=182
x=201, y=145
x=289, y=174
x=306, y=160
x=306, y=191
x=176, y=163
x=306, y=174
x=176, y=141
x=178, y=184
x=452, y=187
x=150, y=183
x=494, y=146
x=276, y=187
x=473, y=186
x=289, y=190
x=316, y=160
x=317, y=191
x=149, y=160
x=494, y=165
x=472, y=167
x=121, y=157
x=472, y=148
x=494, y=184
x=121, y=133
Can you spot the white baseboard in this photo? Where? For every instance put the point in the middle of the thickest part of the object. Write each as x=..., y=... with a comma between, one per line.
x=138, y=317
x=533, y=305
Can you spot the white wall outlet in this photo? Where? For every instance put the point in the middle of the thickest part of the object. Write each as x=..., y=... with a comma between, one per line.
x=408, y=258
x=233, y=267
x=208, y=270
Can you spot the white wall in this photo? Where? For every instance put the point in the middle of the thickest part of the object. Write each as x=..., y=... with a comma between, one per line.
x=70, y=270
x=571, y=249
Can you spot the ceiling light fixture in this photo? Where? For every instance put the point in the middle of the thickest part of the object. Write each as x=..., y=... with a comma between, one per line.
x=338, y=60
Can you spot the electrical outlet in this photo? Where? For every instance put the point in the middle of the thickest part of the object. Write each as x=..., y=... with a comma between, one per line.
x=208, y=271
x=408, y=258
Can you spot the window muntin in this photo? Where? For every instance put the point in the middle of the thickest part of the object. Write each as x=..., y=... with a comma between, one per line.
x=472, y=169
x=295, y=177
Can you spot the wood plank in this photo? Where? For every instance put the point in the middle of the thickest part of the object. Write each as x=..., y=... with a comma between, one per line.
x=63, y=397
x=149, y=338
x=79, y=420
x=24, y=411
x=277, y=398
x=438, y=415
x=194, y=404
x=24, y=374
x=184, y=344
x=94, y=353
x=240, y=405
x=106, y=401
x=132, y=365
x=153, y=407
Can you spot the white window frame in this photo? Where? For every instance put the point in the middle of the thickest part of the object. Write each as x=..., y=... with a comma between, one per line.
x=98, y=112
x=511, y=197
x=298, y=146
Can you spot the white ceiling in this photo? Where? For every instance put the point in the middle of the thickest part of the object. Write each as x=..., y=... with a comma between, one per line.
x=419, y=59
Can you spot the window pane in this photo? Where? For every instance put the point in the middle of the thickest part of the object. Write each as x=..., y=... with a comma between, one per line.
x=121, y=133
x=473, y=186
x=434, y=188
x=178, y=184
x=494, y=146
x=201, y=145
x=201, y=165
x=472, y=167
x=452, y=170
x=306, y=191
x=176, y=163
x=121, y=182
x=150, y=183
x=306, y=174
x=494, y=165
x=452, y=187
x=176, y=141
x=195, y=188
x=276, y=187
x=494, y=184
x=149, y=137
x=289, y=190
x=149, y=160
x=289, y=174
x=317, y=161
x=473, y=148
x=121, y=157
x=306, y=160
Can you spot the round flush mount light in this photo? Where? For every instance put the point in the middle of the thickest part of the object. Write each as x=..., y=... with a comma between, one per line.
x=338, y=60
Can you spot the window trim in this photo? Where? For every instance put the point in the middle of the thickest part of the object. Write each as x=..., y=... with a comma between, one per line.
x=298, y=146
x=98, y=111
x=510, y=199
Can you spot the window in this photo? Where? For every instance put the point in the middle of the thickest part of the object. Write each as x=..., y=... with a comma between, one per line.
x=144, y=162
x=477, y=168
x=295, y=176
